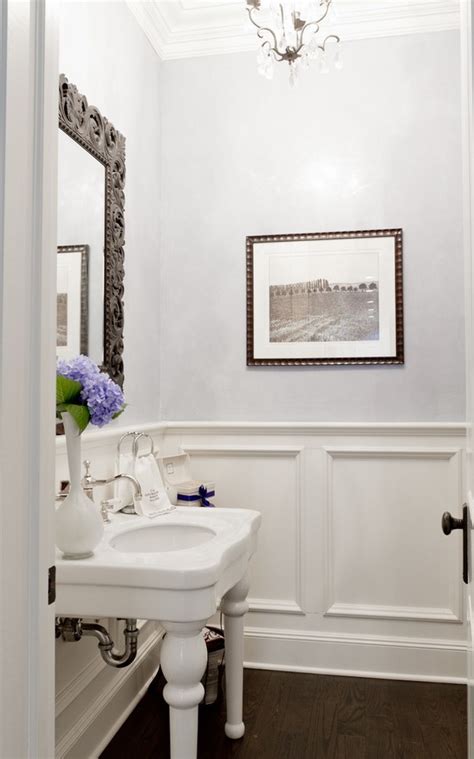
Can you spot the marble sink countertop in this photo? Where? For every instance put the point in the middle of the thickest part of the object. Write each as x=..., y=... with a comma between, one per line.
x=196, y=567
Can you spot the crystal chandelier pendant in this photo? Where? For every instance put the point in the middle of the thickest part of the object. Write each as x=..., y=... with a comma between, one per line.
x=323, y=63
x=338, y=62
x=293, y=74
x=289, y=31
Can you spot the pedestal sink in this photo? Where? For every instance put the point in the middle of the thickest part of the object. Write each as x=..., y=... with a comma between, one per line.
x=173, y=569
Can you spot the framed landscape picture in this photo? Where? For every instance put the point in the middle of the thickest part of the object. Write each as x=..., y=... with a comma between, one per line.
x=72, y=300
x=330, y=298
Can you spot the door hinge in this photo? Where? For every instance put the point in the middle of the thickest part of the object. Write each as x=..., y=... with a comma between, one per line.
x=51, y=585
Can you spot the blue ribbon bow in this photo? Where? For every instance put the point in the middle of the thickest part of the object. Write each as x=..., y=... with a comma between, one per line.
x=202, y=495
x=205, y=494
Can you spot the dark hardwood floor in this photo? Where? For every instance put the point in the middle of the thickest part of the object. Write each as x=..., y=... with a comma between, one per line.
x=299, y=716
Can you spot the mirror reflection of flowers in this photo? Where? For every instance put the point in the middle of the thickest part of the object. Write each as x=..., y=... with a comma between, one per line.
x=88, y=394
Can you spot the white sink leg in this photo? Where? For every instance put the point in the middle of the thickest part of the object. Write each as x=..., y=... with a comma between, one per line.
x=234, y=605
x=183, y=661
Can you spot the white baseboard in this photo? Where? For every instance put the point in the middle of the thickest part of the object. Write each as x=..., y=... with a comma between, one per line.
x=394, y=658
x=110, y=698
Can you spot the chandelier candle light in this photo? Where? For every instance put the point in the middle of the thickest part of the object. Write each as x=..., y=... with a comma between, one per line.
x=290, y=32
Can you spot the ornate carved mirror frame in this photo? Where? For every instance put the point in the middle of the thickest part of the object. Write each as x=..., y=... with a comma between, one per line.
x=85, y=124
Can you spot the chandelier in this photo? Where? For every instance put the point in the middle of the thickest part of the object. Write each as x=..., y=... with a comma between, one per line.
x=290, y=32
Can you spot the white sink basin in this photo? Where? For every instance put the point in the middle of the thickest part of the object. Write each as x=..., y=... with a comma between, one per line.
x=141, y=563
x=161, y=538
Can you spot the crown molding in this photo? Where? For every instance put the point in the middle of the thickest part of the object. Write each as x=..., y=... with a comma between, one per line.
x=190, y=28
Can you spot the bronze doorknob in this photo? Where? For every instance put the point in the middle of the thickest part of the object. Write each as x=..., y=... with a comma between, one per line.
x=450, y=523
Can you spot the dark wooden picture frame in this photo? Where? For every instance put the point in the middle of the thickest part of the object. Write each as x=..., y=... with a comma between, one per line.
x=85, y=124
x=257, y=322
x=83, y=251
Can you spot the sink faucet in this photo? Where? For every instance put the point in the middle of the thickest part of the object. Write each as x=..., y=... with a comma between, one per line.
x=89, y=482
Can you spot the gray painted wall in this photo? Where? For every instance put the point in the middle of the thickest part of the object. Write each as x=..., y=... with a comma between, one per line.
x=376, y=145
x=106, y=54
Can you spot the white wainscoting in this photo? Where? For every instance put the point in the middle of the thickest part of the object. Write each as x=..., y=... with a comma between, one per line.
x=352, y=575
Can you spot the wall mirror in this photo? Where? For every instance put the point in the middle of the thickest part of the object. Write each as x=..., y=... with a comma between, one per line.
x=91, y=180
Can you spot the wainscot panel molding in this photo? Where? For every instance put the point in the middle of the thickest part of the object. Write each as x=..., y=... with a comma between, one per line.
x=392, y=429
x=410, y=480
x=352, y=574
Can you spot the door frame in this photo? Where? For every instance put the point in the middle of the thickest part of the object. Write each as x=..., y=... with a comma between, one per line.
x=28, y=182
x=467, y=117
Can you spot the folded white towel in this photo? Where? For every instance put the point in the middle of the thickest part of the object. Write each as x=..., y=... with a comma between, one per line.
x=154, y=500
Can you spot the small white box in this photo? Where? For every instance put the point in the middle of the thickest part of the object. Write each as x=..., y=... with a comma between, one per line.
x=183, y=490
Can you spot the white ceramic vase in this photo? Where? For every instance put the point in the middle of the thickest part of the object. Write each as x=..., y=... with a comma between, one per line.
x=79, y=525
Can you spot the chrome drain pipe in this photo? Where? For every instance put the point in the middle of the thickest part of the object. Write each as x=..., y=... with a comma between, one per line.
x=72, y=629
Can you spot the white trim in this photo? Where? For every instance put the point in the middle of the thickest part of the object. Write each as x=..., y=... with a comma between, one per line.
x=27, y=370
x=179, y=31
x=243, y=450
x=381, y=452
x=407, y=613
x=270, y=606
x=467, y=124
x=355, y=639
x=399, y=429
x=387, y=657
x=93, y=438
x=255, y=451
x=105, y=740
x=369, y=611
x=84, y=677
x=105, y=697
x=111, y=434
x=74, y=687
x=356, y=673
x=3, y=108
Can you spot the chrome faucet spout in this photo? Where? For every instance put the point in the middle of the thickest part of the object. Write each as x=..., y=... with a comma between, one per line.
x=93, y=482
x=89, y=482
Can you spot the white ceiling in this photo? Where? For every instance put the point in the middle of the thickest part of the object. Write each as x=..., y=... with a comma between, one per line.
x=186, y=28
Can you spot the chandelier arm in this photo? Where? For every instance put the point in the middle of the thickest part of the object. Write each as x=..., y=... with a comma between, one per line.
x=325, y=13
x=329, y=37
x=306, y=26
x=262, y=29
x=316, y=22
x=267, y=43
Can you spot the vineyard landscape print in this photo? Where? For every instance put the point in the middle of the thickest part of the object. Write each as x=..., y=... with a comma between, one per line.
x=339, y=308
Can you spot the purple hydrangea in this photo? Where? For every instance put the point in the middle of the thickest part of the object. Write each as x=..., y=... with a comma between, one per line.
x=102, y=396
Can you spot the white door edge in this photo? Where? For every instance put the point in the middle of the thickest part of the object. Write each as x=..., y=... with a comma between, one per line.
x=28, y=66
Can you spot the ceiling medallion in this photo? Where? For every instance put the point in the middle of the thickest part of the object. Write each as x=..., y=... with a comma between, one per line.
x=290, y=32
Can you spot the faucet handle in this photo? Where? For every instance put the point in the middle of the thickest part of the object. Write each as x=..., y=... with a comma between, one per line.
x=109, y=504
x=87, y=481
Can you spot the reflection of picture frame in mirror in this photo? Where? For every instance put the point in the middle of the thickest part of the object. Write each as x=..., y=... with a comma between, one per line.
x=72, y=335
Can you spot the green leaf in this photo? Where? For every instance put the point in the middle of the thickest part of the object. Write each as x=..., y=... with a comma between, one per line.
x=120, y=412
x=66, y=389
x=80, y=414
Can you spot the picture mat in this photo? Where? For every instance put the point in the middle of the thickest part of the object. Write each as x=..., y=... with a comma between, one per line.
x=361, y=248
x=69, y=282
